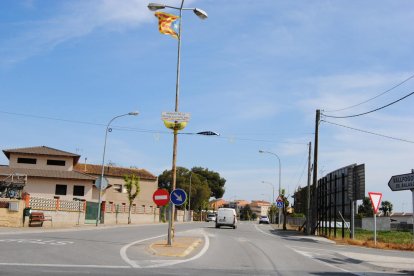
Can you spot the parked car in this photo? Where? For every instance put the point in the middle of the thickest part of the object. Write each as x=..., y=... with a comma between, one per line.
x=226, y=217
x=264, y=219
x=211, y=217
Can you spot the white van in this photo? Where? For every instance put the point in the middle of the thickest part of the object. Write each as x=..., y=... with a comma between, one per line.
x=226, y=217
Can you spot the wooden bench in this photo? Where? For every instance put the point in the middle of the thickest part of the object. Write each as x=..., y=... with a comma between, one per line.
x=37, y=218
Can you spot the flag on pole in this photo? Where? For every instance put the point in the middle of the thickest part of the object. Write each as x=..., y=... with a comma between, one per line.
x=168, y=23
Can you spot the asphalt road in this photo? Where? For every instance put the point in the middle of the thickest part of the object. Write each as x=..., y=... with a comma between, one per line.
x=251, y=249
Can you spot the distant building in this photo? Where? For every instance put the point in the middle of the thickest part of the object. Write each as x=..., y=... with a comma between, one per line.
x=236, y=204
x=116, y=191
x=260, y=207
x=49, y=173
x=216, y=203
x=401, y=221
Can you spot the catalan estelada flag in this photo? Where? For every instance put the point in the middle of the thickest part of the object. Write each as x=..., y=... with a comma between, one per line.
x=168, y=23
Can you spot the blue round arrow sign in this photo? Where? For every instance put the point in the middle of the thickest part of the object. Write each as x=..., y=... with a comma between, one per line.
x=178, y=197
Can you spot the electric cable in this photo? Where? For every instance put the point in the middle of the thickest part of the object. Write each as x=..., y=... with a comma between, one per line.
x=231, y=138
x=369, y=132
x=371, y=111
x=373, y=98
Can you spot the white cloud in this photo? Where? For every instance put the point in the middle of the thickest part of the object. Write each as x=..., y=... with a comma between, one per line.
x=73, y=20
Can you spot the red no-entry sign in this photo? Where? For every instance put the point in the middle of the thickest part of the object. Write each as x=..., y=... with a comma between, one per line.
x=161, y=197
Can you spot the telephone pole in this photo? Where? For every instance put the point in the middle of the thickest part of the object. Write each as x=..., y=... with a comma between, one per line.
x=308, y=212
x=315, y=166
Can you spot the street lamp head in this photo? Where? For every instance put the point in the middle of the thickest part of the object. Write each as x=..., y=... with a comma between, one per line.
x=133, y=113
x=260, y=151
x=200, y=13
x=155, y=6
x=208, y=133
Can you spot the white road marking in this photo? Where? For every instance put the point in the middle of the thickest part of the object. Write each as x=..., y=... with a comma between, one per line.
x=309, y=254
x=201, y=253
x=125, y=248
x=64, y=265
x=161, y=263
x=260, y=230
x=36, y=241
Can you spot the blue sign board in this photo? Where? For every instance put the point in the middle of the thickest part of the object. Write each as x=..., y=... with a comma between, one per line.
x=279, y=204
x=178, y=197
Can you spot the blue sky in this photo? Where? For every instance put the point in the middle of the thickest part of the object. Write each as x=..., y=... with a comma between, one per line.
x=255, y=73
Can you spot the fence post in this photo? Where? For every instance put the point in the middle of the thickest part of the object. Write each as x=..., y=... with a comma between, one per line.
x=57, y=203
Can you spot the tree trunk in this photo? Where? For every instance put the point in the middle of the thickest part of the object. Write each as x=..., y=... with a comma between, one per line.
x=284, y=217
x=129, y=214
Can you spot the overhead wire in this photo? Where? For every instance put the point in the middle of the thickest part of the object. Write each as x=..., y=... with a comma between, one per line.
x=141, y=130
x=370, y=132
x=373, y=98
x=303, y=171
x=371, y=111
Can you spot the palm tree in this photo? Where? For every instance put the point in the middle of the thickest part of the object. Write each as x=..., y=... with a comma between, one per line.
x=132, y=187
x=386, y=208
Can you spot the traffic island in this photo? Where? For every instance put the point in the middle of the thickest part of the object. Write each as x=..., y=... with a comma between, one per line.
x=181, y=247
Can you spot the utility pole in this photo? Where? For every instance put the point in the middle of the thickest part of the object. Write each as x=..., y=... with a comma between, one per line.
x=315, y=164
x=308, y=213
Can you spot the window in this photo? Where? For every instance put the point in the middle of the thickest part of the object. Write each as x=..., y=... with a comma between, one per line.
x=118, y=188
x=56, y=162
x=78, y=190
x=26, y=160
x=61, y=189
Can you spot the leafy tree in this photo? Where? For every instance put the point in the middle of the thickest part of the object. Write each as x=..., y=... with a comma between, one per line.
x=365, y=209
x=386, y=208
x=272, y=213
x=254, y=216
x=246, y=213
x=132, y=187
x=215, y=182
x=285, y=207
x=200, y=191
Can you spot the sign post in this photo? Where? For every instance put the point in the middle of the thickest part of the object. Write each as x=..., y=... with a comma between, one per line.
x=375, y=201
x=280, y=204
x=403, y=182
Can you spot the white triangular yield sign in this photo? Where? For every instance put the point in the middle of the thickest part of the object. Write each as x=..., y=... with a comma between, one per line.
x=375, y=200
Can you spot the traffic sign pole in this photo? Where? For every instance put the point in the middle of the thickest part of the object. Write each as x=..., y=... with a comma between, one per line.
x=375, y=201
x=403, y=182
x=412, y=192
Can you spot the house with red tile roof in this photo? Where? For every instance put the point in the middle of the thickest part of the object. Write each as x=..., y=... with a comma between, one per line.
x=48, y=173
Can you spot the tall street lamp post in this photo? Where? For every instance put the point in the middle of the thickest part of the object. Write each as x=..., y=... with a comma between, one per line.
x=202, y=15
x=280, y=176
x=101, y=180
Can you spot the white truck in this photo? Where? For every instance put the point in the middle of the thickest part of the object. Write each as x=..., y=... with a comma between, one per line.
x=226, y=217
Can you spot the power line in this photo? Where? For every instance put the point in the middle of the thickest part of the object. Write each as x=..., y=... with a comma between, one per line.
x=303, y=171
x=360, y=114
x=230, y=138
x=369, y=132
x=370, y=99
